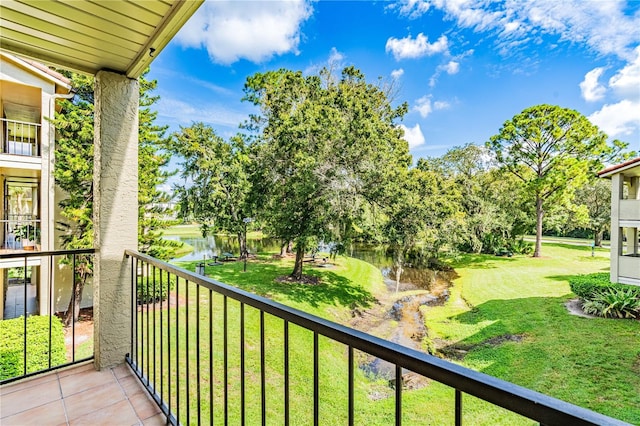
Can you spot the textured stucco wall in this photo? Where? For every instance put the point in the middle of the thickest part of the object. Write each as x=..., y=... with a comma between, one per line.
x=115, y=212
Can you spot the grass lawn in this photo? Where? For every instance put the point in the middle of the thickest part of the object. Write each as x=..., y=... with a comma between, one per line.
x=591, y=362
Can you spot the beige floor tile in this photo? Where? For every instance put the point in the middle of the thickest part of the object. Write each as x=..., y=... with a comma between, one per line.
x=89, y=366
x=27, y=383
x=47, y=414
x=144, y=406
x=31, y=397
x=82, y=403
x=120, y=413
x=131, y=386
x=84, y=380
x=157, y=420
x=121, y=371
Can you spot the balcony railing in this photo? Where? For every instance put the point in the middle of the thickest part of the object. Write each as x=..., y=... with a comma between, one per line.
x=21, y=232
x=210, y=350
x=39, y=343
x=20, y=138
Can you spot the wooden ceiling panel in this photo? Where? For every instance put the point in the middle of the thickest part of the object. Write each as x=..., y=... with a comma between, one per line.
x=90, y=35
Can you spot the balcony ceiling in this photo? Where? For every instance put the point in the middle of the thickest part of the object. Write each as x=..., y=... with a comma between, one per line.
x=88, y=36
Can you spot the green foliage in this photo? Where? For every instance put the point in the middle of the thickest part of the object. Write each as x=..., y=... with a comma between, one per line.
x=12, y=345
x=217, y=191
x=552, y=150
x=589, y=285
x=614, y=303
x=150, y=290
x=154, y=215
x=325, y=146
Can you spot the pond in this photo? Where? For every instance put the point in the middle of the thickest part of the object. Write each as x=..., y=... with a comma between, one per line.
x=411, y=278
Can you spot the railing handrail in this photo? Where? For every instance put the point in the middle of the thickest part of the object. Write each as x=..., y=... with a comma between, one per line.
x=46, y=253
x=20, y=122
x=518, y=399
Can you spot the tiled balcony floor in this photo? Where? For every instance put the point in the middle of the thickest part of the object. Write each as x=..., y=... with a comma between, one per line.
x=79, y=396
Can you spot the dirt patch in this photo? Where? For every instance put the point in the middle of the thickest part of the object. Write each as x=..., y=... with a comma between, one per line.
x=458, y=351
x=574, y=306
x=306, y=279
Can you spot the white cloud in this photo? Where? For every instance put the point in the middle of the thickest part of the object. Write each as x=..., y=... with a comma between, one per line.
x=452, y=67
x=182, y=112
x=408, y=47
x=590, y=87
x=231, y=31
x=396, y=74
x=602, y=25
x=438, y=105
x=618, y=119
x=626, y=82
x=423, y=106
x=412, y=8
x=413, y=135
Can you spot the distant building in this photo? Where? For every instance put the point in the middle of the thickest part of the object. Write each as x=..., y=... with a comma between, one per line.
x=625, y=221
x=29, y=95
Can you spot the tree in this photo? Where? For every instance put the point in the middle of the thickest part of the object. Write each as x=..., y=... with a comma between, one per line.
x=154, y=211
x=73, y=173
x=217, y=190
x=551, y=150
x=325, y=146
x=596, y=197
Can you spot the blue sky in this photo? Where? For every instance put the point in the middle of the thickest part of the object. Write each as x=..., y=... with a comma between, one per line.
x=463, y=66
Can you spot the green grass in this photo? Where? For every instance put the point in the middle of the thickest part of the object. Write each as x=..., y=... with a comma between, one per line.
x=594, y=363
x=590, y=362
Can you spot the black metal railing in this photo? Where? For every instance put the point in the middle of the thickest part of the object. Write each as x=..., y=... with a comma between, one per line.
x=20, y=138
x=21, y=232
x=209, y=351
x=36, y=283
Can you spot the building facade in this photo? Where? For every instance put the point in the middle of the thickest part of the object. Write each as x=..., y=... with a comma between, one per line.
x=625, y=221
x=29, y=96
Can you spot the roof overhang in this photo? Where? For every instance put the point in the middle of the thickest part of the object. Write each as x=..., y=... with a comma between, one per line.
x=628, y=168
x=89, y=36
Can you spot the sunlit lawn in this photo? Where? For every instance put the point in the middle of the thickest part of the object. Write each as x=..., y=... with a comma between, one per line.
x=590, y=362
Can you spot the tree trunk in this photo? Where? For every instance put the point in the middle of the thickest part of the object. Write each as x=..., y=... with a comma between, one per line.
x=398, y=262
x=539, y=216
x=73, y=310
x=297, y=267
x=289, y=247
x=283, y=248
x=597, y=238
x=242, y=241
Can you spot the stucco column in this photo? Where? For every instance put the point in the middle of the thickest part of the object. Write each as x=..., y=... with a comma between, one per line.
x=115, y=209
x=617, y=183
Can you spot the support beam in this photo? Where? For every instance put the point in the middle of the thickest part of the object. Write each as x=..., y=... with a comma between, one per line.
x=115, y=212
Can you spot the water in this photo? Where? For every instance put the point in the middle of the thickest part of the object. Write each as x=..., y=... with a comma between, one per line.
x=410, y=279
x=215, y=245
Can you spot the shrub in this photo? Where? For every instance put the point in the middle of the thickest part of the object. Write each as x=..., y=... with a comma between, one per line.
x=12, y=345
x=614, y=303
x=148, y=293
x=588, y=286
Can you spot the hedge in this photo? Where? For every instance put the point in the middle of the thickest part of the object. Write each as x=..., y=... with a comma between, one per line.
x=588, y=286
x=12, y=345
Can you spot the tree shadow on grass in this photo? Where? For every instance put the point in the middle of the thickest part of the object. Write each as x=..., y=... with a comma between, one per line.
x=260, y=279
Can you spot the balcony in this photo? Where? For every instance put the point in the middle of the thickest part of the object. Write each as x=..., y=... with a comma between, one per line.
x=629, y=211
x=213, y=353
x=21, y=232
x=20, y=138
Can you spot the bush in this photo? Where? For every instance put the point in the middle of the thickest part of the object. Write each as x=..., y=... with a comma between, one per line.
x=588, y=286
x=12, y=345
x=614, y=303
x=147, y=293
